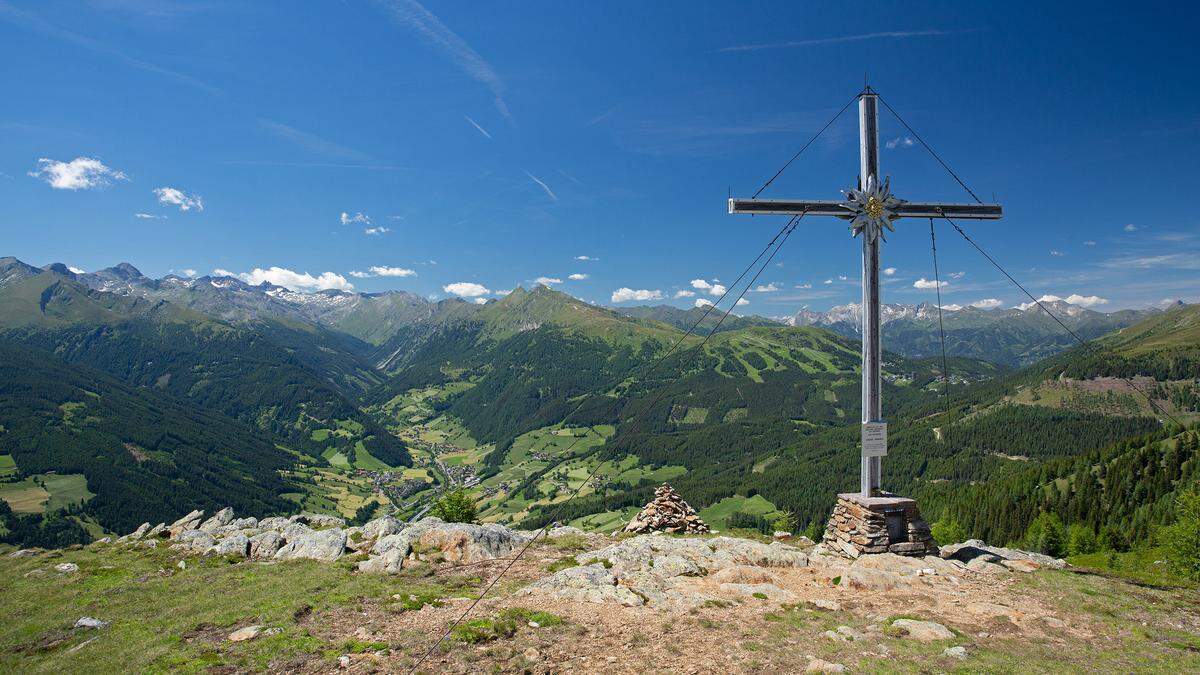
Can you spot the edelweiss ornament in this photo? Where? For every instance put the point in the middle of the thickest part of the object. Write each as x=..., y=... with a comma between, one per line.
x=873, y=209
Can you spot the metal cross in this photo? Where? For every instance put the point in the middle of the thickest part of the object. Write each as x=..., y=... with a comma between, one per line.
x=871, y=208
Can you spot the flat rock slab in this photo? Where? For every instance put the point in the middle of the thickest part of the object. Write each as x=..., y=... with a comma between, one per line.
x=924, y=631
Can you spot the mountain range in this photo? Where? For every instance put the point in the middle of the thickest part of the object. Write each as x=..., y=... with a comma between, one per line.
x=341, y=383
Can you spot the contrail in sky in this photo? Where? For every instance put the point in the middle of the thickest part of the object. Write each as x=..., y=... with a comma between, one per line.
x=844, y=38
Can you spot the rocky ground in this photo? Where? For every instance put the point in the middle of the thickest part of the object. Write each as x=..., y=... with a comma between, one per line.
x=227, y=594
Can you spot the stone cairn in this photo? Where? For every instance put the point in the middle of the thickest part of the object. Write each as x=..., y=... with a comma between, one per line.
x=667, y=512
x=860, y=525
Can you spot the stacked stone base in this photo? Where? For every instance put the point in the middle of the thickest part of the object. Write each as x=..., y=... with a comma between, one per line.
x=860, y=526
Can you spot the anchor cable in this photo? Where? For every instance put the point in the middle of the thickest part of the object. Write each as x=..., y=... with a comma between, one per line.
x=810, y=142
x=1082, y=343
x=937, y=282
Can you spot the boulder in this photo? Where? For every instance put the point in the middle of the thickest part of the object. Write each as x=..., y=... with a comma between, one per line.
x=592, y=583
x=136, y=534
x=234, y=544
x=325, y=545
x=243, y=634
x=389, y=562
x=923, y=631
x=273, y=523
x=768, y=592
x=821, y=666
x=743, y=574
x=974, y=548
x=381, y=527
x=265, y=544
x=158, y=531
x=391, y=542
x=188, y=522
x=195, y=540
x=66, y=568
x=462, y=542
x=564, y=531
x=88, y=622
x=219, y=519
x=318, y=521
x=959, y=653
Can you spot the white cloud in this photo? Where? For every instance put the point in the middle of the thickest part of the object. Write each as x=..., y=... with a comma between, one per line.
x=358, y=217
x=827, y=282
x=218, y=272
x=547, y=281
x=804, y=285
x=1057, y=254
x=843, y=277
x=926, y=284
x=296, y=281
x=889, y=271
x=952, y=308
x=987, y=303
x=176, y=197
x=742, y=301
x=189, y=272
x=376, y=230
x=480, y=301
x=76, y=270
x=701, y=302
x=148, y=216
x=477, y=127
x=466, y=289
x=1089, y=242
x=503, y=293
x=1131, y=228
x=586, y=258
x=713, y=289
x=683, y=294
x=900, y=142
x=769, y=288
x=546, y=188
x=81, y=173
x=957, y=275
x=626, y=294
x=383, y=271
x=1073, y=299
x=577, y=276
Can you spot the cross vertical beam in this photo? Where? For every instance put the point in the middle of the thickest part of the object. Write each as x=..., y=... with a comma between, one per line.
x=868, y=140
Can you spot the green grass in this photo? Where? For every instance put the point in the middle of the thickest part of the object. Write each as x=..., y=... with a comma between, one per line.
x=1144, y=566
x=8, y=465
x=718, y=514
x=163, y=618
x=45, y=492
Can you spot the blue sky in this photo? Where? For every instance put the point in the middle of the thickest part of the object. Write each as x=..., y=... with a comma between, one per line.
x=445, y=147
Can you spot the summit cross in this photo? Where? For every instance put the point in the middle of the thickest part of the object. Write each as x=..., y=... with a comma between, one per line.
x=870, y=209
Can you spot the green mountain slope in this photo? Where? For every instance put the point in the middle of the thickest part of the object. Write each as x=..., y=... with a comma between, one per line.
x=259, y=377
x=145, y=456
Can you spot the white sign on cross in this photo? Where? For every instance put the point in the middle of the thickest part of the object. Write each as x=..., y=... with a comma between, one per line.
x=871, y=208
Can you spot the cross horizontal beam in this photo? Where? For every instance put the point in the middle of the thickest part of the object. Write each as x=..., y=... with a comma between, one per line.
x=825, y=207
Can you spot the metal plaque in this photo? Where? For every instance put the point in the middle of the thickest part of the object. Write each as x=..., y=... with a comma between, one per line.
x=874, y=439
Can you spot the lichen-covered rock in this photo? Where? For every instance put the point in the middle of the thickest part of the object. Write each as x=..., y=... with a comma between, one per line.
x=233, y=544
x=923, y=631
x=273, y=523
x=219, y=519
x=381, y=527
x=317, y=521
x=188, y=522
x=592, y=583
x=462, y=542
x=136, y=534
x=389, y=562
x=769, y=592
x=265, y=545
x=564, y=531
x=197, y=541
x=326, y=545
x=971, y=549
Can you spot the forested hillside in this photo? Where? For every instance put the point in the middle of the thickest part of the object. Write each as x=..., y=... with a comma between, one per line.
x=279, y=379
x=145, y=456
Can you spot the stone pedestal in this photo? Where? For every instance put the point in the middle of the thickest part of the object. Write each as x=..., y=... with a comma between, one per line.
x=884, y=524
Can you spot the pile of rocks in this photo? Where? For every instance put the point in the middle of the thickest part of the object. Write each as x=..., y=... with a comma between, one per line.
x=384, y=544
x=667, y=512
x=885, y=524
